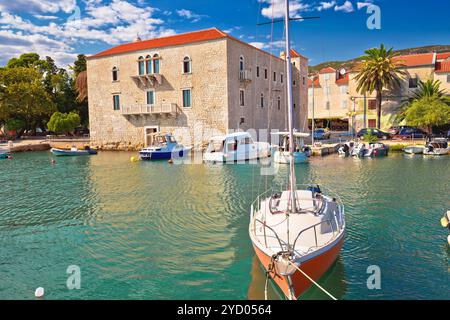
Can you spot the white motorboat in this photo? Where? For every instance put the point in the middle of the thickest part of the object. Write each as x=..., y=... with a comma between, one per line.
x=437, y=147
x=237, y=146
x=297, y=232
x=375, y=149
x=164, y=147
x=347, y=149
x=282, y=154
x=414, y=149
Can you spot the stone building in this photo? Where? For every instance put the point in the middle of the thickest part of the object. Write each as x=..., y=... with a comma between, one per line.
x=194, y=85
x=339, y=106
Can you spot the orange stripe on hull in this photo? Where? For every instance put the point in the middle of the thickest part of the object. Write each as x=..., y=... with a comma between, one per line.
x=315, y=268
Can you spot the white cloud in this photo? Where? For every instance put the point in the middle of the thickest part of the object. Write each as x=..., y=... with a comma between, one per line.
x=118, y=21
x=45, y=17
x=42, y=6
x=276, y=8
x=326, y=5
x=259, y=45
x=188, y=14
x=346, y=7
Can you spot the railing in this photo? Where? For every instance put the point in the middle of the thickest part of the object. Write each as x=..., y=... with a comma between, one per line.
x=245, y=75
x=338, y=217
x=164, y=108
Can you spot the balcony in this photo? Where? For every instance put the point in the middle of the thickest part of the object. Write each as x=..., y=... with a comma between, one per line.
x=144, y=109
x=245, y=76
x=148, y=80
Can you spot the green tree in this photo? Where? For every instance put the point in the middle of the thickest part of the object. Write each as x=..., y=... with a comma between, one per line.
x=429, y=88
x=379, y=69
x=428, y=112
x=63, y=122
x=23, y=96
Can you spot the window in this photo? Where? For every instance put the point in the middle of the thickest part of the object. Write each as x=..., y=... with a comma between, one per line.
x=294, y=83
x=279, y=103
x=116, y=102
x=413, y=82
x=115, y=74
x=141, y=66
x=372, y=123
x=242, y=121
x=448, y=78
x=265, y=73
x=343, y=89
x=150, y=97
x=155, y=63
x=295, y=106
x=275, y=77
x=257, y=72
x=282, y=78
x=327, y=105
x=149, y=64
x=344, y=104
x=187, y=65
x=187, y=103
x=241, y=98
x=372, y=104
x=304, y=81
x=241, y=63
x=262, y=100
x=327, y=76
x=310, y=92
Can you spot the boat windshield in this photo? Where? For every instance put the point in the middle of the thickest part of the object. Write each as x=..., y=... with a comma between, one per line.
x=215, y=146
x=160, y=139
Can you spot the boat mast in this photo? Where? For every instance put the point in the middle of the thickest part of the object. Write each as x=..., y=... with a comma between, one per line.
x=292, y=183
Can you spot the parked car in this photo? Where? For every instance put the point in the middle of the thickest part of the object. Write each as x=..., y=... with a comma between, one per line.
x=322, y=134
x=380, y=134
x=411, y=133
x=395, y=130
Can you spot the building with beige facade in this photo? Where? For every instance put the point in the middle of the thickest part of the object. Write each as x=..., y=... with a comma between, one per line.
x=338, y=105
x=194, y=85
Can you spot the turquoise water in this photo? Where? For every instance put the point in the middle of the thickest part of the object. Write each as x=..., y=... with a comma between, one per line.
x=160, y=231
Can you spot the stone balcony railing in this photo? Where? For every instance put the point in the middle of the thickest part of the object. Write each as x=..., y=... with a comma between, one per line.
x=144, y=109
x=245, y=75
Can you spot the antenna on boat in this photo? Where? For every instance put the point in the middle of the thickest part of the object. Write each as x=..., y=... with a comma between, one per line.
x=290, y=100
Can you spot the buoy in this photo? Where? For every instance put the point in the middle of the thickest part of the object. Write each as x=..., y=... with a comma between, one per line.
x=444, y=222
x=39, y=293
x=134, y=159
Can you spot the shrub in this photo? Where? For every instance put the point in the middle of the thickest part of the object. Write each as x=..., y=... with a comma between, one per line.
x=63, y=122
x=370, y=138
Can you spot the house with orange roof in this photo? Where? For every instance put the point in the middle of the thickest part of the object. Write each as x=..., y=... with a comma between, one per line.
x=195, y=85
x=337, y=104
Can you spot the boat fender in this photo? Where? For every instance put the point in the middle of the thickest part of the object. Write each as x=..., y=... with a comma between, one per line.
x=39, y=293
x=448, y=239
x=444, y=222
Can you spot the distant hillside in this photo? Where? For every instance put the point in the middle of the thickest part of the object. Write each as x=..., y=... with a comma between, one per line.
x=351, y=63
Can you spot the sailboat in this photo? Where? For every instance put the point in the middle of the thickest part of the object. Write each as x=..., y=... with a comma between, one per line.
x=297, y=232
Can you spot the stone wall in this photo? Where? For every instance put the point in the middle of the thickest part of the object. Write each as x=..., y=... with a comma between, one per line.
x=111, y=130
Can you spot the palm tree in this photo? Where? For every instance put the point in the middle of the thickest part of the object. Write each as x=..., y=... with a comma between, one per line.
x=379, y=69
x=429, y=88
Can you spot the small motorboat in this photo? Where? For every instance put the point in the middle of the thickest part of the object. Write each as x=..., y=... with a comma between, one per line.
x=437, y=147
x=237, y=146
x=414, y=149
x=347, y=149
x=4, y=154
x=376, y=149
x=73, y=152
x=164, y=147
x=301, y=152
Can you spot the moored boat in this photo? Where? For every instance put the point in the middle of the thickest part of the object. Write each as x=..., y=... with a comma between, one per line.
x=238, y=146
x=281, y=153
x=297, y=232
x=73, y=152
x=164, y=147
x=414, y=149
x=437, y=147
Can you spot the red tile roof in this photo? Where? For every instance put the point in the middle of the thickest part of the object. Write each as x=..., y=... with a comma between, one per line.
x=443, y=67
x=342, y=80
x=179, y=39
x=327, y=70
x=316, y=82
x=412, y=60
x=443, y=56
x=295, y=54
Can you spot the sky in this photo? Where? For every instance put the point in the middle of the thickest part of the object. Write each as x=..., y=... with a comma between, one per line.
x=64, y=28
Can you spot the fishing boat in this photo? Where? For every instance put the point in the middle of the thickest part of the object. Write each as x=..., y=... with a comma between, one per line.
x=73, y=152
x=281, y=151
x=238, y=146
x=437, y=147
x=164, y=147
x=297, y=232
x=414, y=149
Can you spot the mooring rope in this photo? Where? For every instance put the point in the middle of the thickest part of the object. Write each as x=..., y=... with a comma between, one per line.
x=314, y=282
